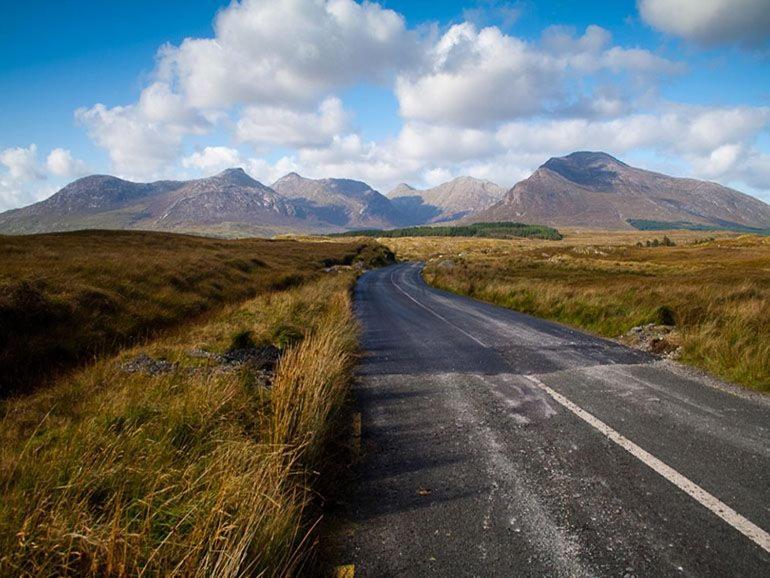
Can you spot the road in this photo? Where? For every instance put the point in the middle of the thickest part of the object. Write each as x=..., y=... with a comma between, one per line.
x=498, y=444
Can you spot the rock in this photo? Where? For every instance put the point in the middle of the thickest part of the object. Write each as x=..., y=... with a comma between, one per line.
x=198, y=353
x=263, y=358
x=446, y=264
x=661, y=340
x=337, y=268
x=143, y=363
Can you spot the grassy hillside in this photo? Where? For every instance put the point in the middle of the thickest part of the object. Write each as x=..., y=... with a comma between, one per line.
x=67, y=297
x=716, y=291
x=502, y=230
x=170, y=459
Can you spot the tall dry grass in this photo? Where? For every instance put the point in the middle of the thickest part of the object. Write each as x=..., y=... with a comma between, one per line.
x=67, y=297
x=312, y=382
x=200, y=471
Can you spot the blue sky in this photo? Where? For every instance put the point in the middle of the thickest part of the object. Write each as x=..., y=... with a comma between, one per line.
x=390, y=92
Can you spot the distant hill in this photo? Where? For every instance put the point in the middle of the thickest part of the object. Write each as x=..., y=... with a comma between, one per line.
x=229, y=201
x=342, y=203
x=594, y=189
x=449, y=201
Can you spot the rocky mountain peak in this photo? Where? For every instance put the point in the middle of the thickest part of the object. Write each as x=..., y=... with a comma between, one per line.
x=596, y=170
x=235, y=176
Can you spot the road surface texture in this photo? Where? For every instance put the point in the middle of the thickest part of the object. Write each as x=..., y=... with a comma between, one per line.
x=498, y=444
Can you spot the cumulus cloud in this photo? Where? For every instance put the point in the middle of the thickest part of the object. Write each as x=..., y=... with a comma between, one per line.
x=143, y=139
x=687, y=130
x=378, y=163
x=289, y=52
x=61, y=163
x=436, y=176
x=710, y=22
x=444, y=143
x=270, y=125
x=212, y=160
x=267, y=172
x=21, y=163
x=22, y=180
x=486, y=76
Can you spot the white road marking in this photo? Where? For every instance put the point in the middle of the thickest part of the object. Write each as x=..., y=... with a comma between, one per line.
x=743, y=525
x=444, y=319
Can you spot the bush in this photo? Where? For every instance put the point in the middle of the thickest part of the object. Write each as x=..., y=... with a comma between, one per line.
x=665, y=315
x=286, y=335
x=242, y=340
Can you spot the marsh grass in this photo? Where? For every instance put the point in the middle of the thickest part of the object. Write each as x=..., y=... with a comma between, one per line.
x=193, y=472
x=69, y=297
x=715, y=290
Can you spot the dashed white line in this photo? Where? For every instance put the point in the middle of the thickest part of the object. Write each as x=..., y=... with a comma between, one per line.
x=716, y=506
x=444, y=319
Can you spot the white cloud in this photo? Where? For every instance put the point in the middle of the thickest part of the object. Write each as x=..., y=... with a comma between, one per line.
x=144, y=139
x=212, y=160
x=289, y=52
x=267, y=172
x=61, y=163
x=22, y=180
x=486, y=76
x=21, y=163
x=215, y=159
x=755, y=172
x=478, y=76
x=710, y=22
x=436, y=176
x=270, y=125
x=379, y=164
x=444, y=143
x=693, y=131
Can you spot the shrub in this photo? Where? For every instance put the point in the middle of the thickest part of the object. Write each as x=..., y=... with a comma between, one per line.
x=286, y=335
x=664, y=315
x=242, y=340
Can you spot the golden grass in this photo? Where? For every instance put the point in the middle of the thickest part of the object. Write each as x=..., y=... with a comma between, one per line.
x=194, y=472
x=67, y=297
x=718, y=289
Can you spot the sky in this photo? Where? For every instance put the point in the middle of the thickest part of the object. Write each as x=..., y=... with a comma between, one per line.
x=396, y=91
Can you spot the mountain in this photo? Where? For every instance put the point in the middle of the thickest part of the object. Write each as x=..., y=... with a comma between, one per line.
x=448, y=201
x=343, y=203
x=228, y=203
x=584, y=189
x=230, y=197
x=596, y=190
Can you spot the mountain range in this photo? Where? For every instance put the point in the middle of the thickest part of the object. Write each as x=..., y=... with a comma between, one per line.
x=583, y=189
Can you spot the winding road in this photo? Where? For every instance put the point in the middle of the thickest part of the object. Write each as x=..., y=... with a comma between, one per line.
x=498, y=444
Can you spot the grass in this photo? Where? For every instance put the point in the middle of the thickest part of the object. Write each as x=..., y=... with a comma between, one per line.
x=501, y=230
x=66, y=298
x=716, y=290
x=198, y=471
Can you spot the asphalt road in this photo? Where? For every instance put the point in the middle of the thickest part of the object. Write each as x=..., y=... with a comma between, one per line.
x=497, y=444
